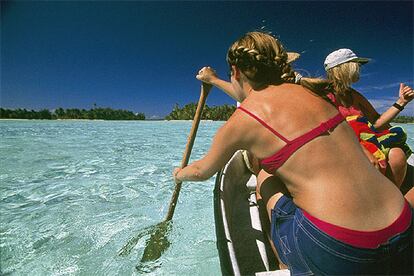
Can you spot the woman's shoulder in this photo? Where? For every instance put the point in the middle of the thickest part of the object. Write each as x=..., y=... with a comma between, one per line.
x=260, y=105
x=357, y=95
x=359, y=100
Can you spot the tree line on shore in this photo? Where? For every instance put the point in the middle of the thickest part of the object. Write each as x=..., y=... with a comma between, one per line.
x=223, y=113
x=71, y=113
x=215, y=113
x=403, y=119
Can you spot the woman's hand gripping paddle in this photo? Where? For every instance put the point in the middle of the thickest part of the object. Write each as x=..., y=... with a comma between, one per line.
x=158, y=241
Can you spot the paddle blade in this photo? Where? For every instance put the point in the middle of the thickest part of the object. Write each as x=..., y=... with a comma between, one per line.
x=127, y=248
x=157, y=243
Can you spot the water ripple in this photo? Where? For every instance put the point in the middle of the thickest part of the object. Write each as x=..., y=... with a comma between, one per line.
x=73, y=193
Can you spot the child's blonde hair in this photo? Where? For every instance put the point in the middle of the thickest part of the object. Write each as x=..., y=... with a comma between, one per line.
x=342, y=76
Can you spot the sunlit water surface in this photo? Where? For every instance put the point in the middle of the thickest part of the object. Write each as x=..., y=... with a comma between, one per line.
x=72, y=193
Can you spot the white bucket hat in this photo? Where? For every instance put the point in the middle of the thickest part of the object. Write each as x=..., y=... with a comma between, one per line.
x=341, y=56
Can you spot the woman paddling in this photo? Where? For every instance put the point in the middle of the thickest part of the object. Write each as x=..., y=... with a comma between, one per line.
x=386, y=149
x=342, y=216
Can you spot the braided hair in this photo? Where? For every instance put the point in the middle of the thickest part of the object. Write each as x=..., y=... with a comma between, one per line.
x=262, y=59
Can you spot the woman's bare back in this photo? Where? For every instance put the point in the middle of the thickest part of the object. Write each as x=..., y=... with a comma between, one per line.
x=329, y=177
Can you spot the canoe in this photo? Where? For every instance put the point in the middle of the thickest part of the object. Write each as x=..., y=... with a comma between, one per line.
x=243, y=246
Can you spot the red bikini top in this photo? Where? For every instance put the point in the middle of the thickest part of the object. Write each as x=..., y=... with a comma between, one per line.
x=272, y=163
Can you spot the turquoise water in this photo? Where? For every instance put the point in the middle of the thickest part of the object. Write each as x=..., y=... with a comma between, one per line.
x=72, y=193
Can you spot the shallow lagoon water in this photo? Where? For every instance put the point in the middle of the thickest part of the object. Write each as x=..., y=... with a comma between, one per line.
x=72, y=193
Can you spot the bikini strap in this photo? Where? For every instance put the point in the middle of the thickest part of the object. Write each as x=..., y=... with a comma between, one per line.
x=263, y=123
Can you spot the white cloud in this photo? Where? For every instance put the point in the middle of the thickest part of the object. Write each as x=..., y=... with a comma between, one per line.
x=155, y=117
x=363, y=75
x=384, y=86
x=379, y=87
x=381, y=105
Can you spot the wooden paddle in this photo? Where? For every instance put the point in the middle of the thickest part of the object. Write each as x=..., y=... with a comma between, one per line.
x=158, y=241
x=205, y=89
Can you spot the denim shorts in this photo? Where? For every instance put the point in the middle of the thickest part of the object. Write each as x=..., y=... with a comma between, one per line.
x=306, y=250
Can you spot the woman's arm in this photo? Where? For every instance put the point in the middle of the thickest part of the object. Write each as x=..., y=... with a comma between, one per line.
x=381, y=122
x=225, y=143
x=406, y=94
x=208, y=75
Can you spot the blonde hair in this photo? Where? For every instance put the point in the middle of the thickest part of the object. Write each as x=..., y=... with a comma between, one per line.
x=263, y=60
x=342, y=76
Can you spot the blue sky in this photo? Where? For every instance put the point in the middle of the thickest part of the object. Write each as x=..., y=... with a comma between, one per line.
x=143, y=56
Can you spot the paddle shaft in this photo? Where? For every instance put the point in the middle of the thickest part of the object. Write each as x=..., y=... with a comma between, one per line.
x=205, y=88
